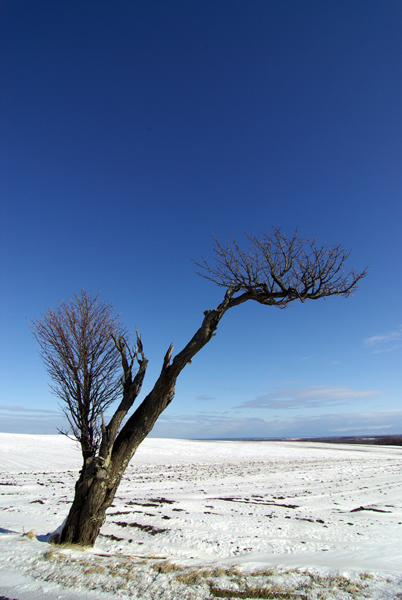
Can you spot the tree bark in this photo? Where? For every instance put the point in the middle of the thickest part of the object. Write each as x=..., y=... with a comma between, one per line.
x=101, y=475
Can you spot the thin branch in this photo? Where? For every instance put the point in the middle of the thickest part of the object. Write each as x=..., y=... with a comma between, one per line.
x=276, y=270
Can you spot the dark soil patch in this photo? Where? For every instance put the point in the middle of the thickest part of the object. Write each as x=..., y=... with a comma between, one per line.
x=148, y=528
x=371, y=509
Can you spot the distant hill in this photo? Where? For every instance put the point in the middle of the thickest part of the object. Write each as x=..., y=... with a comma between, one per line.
x=384, y=440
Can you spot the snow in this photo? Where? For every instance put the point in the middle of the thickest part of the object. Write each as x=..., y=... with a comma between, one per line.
x=195, y=519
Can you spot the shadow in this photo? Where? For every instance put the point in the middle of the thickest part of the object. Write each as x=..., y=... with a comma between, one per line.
x=7, y=531
x=43, y=538
x=40, y=538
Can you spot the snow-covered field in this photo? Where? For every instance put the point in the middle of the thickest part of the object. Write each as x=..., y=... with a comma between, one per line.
x=202, y=520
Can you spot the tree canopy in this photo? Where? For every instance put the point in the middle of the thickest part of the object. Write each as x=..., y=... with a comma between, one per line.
x=277, y=270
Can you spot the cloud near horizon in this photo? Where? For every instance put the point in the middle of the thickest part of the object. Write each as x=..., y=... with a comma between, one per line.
x=308, y=397
x=42, y=411
x=216, y=425
x=385, y=342
x=219, y=426
x=18, y=419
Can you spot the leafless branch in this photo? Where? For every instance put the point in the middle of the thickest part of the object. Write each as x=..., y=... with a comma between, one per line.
x=131, y=389
x=276, y=270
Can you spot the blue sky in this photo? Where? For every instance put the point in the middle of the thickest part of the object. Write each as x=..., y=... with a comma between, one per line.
x=132, y=131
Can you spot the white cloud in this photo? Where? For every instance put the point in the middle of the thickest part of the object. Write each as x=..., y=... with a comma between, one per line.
x=358, y=429
x=29, y=410
x=17, y=419
x=308, y=397
x=385, y=342
x=216, y=426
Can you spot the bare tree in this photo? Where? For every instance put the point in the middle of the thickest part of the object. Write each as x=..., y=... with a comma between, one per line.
x=79, y=352
x=273, y=271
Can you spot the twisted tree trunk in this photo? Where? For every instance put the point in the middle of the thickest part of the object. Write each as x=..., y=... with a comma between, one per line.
x=101, y=475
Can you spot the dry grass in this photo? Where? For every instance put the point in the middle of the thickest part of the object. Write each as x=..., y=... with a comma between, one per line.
x=166, y=567
x=30, y=535
x=68, y=546
x=191, y=578
x=336, y=583
x=118, y=572
x=195, y=576
x=319, y=585
x=275, y=593
x=264, y=573
x=96, y=569
x=54, y=556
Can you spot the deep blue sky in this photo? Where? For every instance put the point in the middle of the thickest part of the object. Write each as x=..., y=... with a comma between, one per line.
x=130, y=131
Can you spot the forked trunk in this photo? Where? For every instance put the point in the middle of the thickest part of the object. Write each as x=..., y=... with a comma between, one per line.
x=101, y=475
